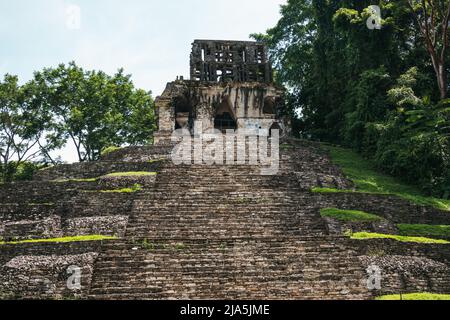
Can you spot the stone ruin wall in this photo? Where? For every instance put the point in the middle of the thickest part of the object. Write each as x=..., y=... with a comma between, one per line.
x=233, y=77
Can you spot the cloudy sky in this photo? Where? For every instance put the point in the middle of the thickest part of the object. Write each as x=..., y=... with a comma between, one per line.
x=149, y=38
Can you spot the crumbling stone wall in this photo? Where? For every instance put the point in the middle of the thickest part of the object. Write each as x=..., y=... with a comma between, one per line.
x=39, y=271
x=183, y=102
x=406, y=274
x=234, y=61
x=85, y=170
x=231, y=87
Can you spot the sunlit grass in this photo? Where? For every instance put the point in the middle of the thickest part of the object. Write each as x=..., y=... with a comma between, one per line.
x=369, y=235
x=131, y=174
x=62, y=240
x=135, y=188
x=415, y=296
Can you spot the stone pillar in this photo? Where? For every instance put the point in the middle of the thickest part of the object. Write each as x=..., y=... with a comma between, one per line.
x=166, y=121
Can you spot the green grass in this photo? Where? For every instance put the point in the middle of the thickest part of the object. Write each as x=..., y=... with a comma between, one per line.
x=62, y=240
x=135, y=188
x=75, y=180
x=363, y=173
x=349, y=215
x=330, y=190
x=131, y=174
x=416, y=296
x=424, y=230
x=368, y=235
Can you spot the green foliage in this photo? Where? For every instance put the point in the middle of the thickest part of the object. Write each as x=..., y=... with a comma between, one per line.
x=424, y=230
x=18, y=171
x=416, y=296
x=22, y=130
x=342, y=83
x=66, y=104
x=369, y=180
x=62, y=240
x=93, y=110
x=349, y=215
x=368, y=235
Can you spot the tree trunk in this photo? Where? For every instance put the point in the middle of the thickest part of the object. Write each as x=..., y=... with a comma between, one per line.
x=442, y=80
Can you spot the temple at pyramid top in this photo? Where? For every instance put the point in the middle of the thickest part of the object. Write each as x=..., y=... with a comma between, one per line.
x=230, y=61
x=231, y=87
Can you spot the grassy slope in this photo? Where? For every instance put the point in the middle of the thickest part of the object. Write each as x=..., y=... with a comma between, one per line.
x=424, y=230
x=367, y=179
x=349, y=215
x=416, y=296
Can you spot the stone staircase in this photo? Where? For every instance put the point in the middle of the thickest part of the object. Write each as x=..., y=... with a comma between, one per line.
x=207, y=232
x=270, y=268
x=226, y=232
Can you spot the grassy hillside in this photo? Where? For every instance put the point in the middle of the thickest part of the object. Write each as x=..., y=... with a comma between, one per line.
x=368, y=179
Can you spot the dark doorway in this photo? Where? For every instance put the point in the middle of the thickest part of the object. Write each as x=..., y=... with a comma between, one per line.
x=183, y=113
x=224, y=122
x=275, y=126
x=224, y=119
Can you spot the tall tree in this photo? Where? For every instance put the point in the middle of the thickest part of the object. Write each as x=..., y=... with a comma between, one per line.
x=432, y=17
x=93, y=110
x=22, y=129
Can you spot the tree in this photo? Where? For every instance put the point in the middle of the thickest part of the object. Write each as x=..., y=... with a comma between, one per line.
x=21, y=129
x=432, y=17
x=339, y=76
x=93, y=110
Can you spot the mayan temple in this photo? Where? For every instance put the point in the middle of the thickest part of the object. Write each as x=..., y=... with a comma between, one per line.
x=211, y=231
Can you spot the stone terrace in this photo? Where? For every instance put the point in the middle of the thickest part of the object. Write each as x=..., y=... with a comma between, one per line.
x=207, y=232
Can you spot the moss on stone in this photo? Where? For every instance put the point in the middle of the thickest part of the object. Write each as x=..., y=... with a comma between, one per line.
x=131, y=174
x=76, y=180
x=135, y=188
x=369, y=235
x=415, y=296
x=156, y=160
x=109, y=150
x=62, y=240
x=349, y=215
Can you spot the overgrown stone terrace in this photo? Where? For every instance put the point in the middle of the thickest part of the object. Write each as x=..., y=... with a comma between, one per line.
x=207, y=232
